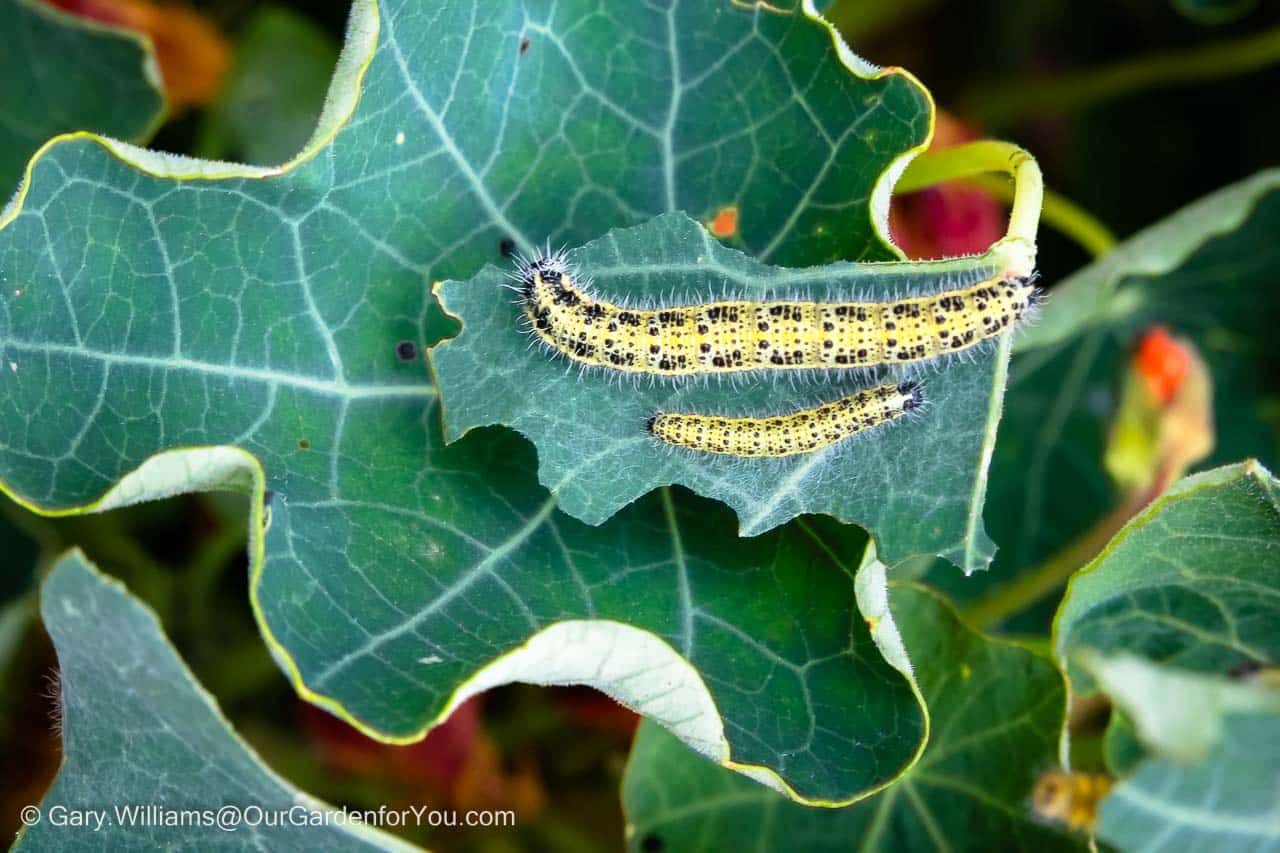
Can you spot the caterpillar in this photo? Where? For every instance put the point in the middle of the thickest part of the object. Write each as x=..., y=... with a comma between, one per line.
x=784, y=435
x=1070, y=797
x=741, y=335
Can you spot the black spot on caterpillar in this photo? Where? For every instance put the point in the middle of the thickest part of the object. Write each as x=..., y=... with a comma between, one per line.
x=785, y=435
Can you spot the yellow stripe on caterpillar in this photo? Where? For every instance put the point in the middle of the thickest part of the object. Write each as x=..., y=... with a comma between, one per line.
x=739, y=335
x=784, y=435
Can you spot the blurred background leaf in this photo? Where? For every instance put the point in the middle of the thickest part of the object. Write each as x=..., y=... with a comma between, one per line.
x=1192, y=582
x=1201, y=275
x=111, y=87
x=267, y=109
x=190, y=49
x=1175, y=624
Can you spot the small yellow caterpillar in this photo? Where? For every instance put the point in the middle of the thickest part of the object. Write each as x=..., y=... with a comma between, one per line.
x=1070, y=797
x=739, y=335
x=784, y=435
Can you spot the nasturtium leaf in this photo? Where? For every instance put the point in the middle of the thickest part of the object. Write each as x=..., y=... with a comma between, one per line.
x=170, y=325
x=1210, y=778
x=918, y=484
x=1170, y=621
x=995, y=709
x=60, y=73
x=138, y=731
x=1206, y=273
x=1175, y=713
x=1192, y=582
x=1227, y=802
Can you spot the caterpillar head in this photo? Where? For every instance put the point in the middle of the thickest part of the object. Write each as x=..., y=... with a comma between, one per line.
x=550, y=267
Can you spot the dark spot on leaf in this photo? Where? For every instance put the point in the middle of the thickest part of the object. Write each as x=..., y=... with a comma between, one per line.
x=507, y=247
x=524, y=45
x=304, y=444
x=1246, y=667
x=406, y=350
x=652, y=843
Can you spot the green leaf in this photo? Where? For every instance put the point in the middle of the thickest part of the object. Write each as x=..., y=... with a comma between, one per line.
x=1206, y=273
x=1187, y=594
x=176, y=325
x=1191, y=582
x=972, y=785
x=1177, y=714
x=918, y=485
x=138, y=730
x=1168, y=263
x=1211, y=782
x=60, y=73
x=1227, y=802
x=1214, y=11
x=274, y=93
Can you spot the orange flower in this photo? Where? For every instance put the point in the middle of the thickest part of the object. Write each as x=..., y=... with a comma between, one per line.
x=192, y=54
x=1164, y=423
x=1163, y=363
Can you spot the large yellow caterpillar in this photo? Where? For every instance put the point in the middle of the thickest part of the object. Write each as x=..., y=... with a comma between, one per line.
x=740, y=335
x=784, y=435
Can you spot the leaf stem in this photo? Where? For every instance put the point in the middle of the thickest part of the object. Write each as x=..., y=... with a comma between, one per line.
x=1062, y=214
x=1000, y=104
x=1038, y=581
x=972, y=163
x=979, y=158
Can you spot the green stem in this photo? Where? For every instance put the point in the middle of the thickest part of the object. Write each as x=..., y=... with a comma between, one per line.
x=1061, y=214
x=979, y=158
x=1038, y=581
x=1000, y=104
x=973, y=162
